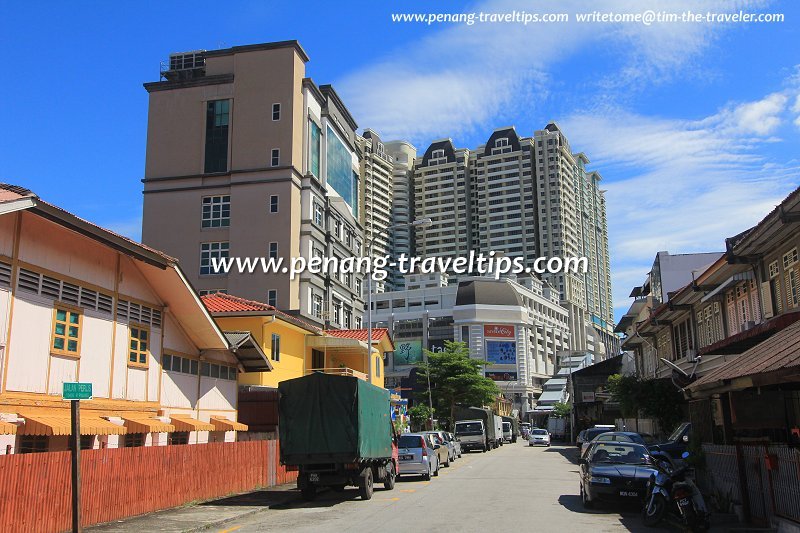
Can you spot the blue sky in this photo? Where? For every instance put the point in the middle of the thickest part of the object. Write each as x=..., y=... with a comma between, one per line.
x=695, y=127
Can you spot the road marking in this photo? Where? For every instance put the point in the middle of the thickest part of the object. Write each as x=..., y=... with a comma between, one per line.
x=388, y=499
x=408, y=490
x=230, y=529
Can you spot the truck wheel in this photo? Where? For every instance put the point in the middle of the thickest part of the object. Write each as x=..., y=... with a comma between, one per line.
x=388, y=483
x=365, y=484
x=309, y=493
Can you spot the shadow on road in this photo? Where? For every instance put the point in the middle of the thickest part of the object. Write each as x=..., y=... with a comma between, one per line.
x=265, y=498
x=570, y=453
x=629, y=515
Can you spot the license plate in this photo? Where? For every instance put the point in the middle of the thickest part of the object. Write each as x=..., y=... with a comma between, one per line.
x=406, y=457
x=629, y=493
x=313, y=477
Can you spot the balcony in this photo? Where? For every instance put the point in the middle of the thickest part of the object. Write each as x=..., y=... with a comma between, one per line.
x=344, y=371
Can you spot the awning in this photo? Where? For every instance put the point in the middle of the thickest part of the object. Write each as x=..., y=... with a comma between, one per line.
x=741, y=276
x=223, y=424
x=145, y=424
x=338, y=344
x=551, y=396
x=187, y=423
x=248, y=351
x=7, y=428
x=55, y=424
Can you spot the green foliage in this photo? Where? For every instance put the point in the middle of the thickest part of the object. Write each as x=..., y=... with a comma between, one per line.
x=419, y=414
x=653, y=398
x=562, y=410
x=456, y=378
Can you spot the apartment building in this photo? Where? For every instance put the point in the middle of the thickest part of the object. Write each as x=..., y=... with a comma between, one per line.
x=442, y=193
x=376, y=196
x=80, y=303
x=403, y=155
x=515, y=325
x=527, y=197
x=247, y=157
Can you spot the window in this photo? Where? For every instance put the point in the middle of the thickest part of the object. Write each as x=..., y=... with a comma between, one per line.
x=32, y=444
x=319, y=215
x=216, y=211
x=348, y=319
x=276, y=347
x=205, y=292
x=790, y=258
x=179, y=437
x=378, y=365
x=67, y=324
x=358, y=287
x=436, y=154
x=87, y=442
x=358, y=322
x=273, y=250
x=276, y=157
x=138, y=340
x=208, y=251
x=272, y=297
x=773, y=269
x=216, y=371
x=133, y=440
x=184, y=365
x=315, y=145
x=217, y=119
x=276, y=111
x=500, y=143
x=316, y=305
x=337, y=311
x=273, y=203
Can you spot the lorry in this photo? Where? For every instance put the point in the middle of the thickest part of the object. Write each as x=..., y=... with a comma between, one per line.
x=557, y=427
x=491, y=434
x=515, y=427
x=471, y=434
x=336, y=431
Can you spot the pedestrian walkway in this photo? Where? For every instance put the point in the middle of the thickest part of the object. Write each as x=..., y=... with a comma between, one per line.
x=213, y=514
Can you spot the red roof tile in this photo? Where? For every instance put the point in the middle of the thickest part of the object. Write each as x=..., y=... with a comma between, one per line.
x=225, y=303
x=358, y=334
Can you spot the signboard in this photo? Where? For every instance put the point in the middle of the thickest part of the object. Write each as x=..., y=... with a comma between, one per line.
x=407, y=352
x=501, y=352
x=498, y=331
x=437, y=345
x=587, y=397
x=501, y=376
x=77, y=391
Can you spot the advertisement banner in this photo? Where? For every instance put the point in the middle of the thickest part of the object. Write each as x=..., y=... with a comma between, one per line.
x=498, y=331
x=501, y=376
x=501, y=353
x=407, y=352
x=437, y=345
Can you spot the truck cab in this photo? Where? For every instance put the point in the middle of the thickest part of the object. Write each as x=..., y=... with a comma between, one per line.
x=507, y=433
x=472, y=434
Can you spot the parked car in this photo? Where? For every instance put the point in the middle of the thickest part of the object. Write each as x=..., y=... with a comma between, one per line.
x=677, y=443
x=446, y=441
x=590, y=434
x=417, y=456
x=620, y=436
x=440, y=446
x=539, y=437
x=614, y=472
x=456, y=444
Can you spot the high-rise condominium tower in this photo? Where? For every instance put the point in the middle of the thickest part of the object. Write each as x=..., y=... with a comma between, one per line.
x=377, y=175
x=402, y=236
x=246, y=157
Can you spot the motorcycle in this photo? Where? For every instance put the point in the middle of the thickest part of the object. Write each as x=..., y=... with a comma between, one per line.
x=670, y=491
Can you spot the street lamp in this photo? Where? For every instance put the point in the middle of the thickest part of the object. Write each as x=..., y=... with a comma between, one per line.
x=420, y=223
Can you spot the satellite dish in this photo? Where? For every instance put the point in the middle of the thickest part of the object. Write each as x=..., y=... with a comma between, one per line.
x=674, y=367
x=679, y=377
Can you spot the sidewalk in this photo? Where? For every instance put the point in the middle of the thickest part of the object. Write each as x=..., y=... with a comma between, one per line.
x=210, y=515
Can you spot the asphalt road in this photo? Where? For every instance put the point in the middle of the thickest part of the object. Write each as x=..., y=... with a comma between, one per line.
x=513, y=487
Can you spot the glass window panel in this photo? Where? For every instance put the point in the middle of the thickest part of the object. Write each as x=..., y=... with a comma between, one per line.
x=194, y=367
x=134, y=344
x=60, y=328
x=135, y=333
x=58, y=343
x=73, y=331
x=72, y=346
x=132, y=357
x=214, y=371
x=176, y=363
x=186, y=366
x=142, y=358
x=73, y=318
x=143, y=335
x=61, y=315
x=205, y=369
x=142, y=346
x=167, y=361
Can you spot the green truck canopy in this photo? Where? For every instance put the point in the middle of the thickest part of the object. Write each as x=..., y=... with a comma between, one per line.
x=330, y=418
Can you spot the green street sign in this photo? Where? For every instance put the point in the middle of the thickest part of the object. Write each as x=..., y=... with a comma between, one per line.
x=77, y=391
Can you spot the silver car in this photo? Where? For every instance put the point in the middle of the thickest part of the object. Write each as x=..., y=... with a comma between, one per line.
x=449, y=442
x=417, y=456
x=456, y=444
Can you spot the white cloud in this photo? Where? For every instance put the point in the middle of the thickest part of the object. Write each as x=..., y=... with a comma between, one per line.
x=463, y=77
x=687, y=184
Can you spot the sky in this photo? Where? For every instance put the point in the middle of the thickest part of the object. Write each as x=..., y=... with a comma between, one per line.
x=695, y=127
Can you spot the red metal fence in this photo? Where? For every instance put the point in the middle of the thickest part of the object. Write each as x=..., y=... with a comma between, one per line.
x=35, y=491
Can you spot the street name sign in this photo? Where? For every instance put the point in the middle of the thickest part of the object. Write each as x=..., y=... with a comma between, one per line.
x=77, y=391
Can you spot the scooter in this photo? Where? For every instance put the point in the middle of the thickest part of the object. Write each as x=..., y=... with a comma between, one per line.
x=670, y=491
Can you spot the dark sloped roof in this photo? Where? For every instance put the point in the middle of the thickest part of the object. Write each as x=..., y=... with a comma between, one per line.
x=487, y=292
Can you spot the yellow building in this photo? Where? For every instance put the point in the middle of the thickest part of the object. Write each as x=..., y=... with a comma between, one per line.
x=295, y=347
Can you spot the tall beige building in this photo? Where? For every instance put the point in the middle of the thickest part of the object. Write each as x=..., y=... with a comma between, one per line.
x=377, y=195
x=403, y=155
x=246, y=157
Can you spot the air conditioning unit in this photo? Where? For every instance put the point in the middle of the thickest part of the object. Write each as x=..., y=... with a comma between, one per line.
x=691, y=355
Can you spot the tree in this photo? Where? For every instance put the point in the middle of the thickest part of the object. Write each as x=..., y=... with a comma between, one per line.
x=456, y=378
x=654, y=398
x=561, y=410
x=420, y=414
